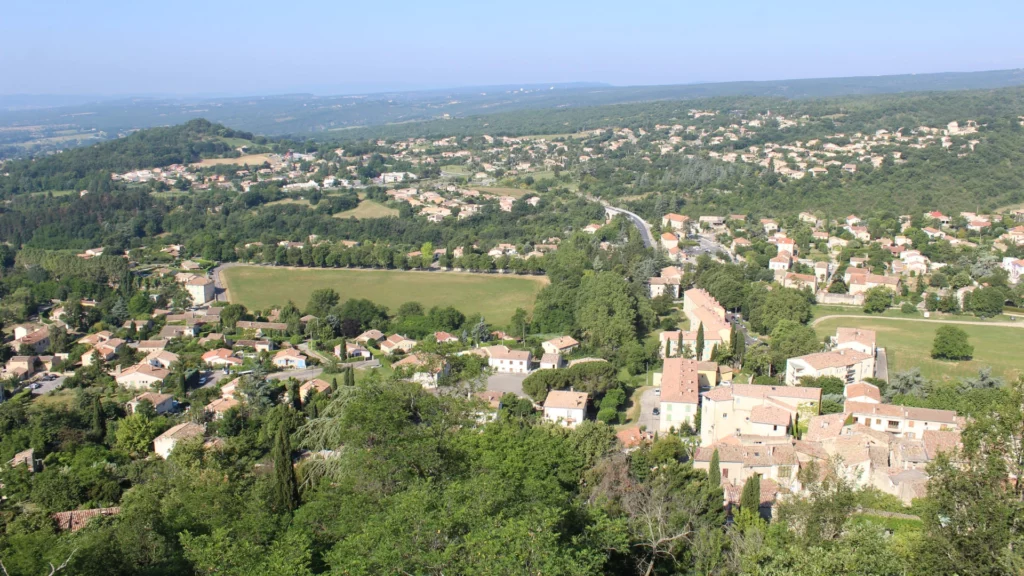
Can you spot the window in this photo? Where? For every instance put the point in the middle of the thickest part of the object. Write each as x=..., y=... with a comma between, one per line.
x=894, y=424
x=878, y=421
x=725, y=472
x=785, y=471
x=910, y=424
x=725, y=415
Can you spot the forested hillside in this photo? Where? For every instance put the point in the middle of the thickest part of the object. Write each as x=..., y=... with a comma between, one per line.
x=151, y=148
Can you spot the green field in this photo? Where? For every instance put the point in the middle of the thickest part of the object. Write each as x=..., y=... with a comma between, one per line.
x=494, y=296
x=909, y=344
x=501, y=191
x=368, y=209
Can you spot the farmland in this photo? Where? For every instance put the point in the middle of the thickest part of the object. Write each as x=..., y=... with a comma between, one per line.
x=250, y=159
x=494, y=296
x=368, y=209
x=908, y=344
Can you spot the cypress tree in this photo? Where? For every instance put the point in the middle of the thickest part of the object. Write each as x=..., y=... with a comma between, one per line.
x=700, y=342
x=739, y=349
x=286, y=489
x=714, y=353
x=679, y=343
x=99, y=421
x=294, y=396
x=350, y=377
x=182, y=384
x=334, y=384
x=715, y=471
x=751, y=498
x=668, y=343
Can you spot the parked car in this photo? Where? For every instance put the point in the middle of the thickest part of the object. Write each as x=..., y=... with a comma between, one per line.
x=656, y=412
x=657, y=391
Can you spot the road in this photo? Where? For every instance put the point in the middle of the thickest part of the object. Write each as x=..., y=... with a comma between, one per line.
x=301, y=375
x=929, y=320
x=881, y=364
x=640, y=223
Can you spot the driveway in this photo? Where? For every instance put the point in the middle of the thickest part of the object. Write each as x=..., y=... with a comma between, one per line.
x=648, y=402
x=505, y=383
x=881, y=364
x=50, y=386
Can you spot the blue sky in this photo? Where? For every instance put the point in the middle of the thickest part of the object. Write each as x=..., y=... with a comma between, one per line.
x=261, y=47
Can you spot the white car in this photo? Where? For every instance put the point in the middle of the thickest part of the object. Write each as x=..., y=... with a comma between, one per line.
x=657, y=391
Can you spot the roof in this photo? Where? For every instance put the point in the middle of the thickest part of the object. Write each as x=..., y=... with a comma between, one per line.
x=858, y=335
x=501, y=352
x=221, y=404
x=549, y=358
x=726, y=393
x=833, y=359
x=631, y=437
x=670, y=237
x=905, y=412
x=824, y=427
x=146, y=370
x=563, y=342
x=676, y=217
x=154, y=398
x=769, y=415
x=862, y=389
x=76, y=519
x=566, y=399
x=288, y=353
x=183, y=431
x=936, y=441
x=680, y=381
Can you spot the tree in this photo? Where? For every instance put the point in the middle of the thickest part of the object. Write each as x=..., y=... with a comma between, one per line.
x=99, y=421
x=739, y=348
x=135, y=433
x=987, y=302
x=877, y=300
x=286, y=489
x=427, y=254
x=700, y=342
x=321, y=301
x=790, y=339
x=951, y=344
x=231, y=314
x=750, y=499
x=715, y=470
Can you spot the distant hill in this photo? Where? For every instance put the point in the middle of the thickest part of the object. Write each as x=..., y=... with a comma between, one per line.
x=155, y=147
x=309, y=115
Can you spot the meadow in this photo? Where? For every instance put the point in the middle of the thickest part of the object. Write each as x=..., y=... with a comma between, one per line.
x=494, y=296
x=368, y=209
x=250, y=159
x=909, y=344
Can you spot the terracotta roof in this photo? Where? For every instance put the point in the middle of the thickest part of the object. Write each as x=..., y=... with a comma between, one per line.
x=77, y=519
x=833, y=359
x=680, y=381
x=221, y=405
x=905, y=412
x=500, y=352
x=859, y=335
x=183, y=431
x=632, y=437
x=566, y=399
x=563, y=342
x=769, y=415
x=824, y=427
x=936, y=441
x=862, y=389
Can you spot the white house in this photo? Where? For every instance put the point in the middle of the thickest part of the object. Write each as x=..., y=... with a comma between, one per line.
x=503, y=359
x=200, y=289
x=680, y=393
x=560, y=345
x=565, y=407
x=165, y=443
x=141, y=375
x=847, y=364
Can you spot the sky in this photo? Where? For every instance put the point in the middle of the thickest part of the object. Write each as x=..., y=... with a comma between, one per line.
x=227, y=47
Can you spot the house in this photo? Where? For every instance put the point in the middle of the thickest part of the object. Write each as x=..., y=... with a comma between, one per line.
x=161, y=359
x=560, y=345
x=739, y=243
x=675, y=221
x=862, y=392
x=903, y=421
x=318, y=385
x=503, y=359
x=728, y=410
x=787, y=245
x=848, y=365
x=566, y=407
x=936, y=215
x=35, y=339
x=551, y=361
x=26, y=458
x=860, y=339
x=397, y=344
x=777, y=464
x=20, y=366
x=289, y=358
x=780, y=263
x=799, y=281
x=589, y=228
x=680, y=393
x=701, y=309
x=140, y=376
x=861, y=283
x=147, y=346
x=492, y=401
x=162, y=403
x=669, y=240
x=631, y=438
x=1014, y=269
x=660, y=286
x=257, y=345
x=200, y=289
x=170, y=332
x=164, y=444
x=218, y=407
x=424, y=369
x=770, y=226
x=352, y=350
x=221, y=357
x=445, y=338
x=75, y=520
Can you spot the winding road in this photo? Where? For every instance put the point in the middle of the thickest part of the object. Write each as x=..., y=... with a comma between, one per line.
x=640, y=223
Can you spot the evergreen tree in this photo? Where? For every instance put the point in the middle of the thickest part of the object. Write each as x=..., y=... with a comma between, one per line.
x=334, y=384
x=751, y=497
x=99, y=421
x=739, y=348
x=714, y=353
x=668, y=344
x=700, y=342
x=350, y=377
x=182, y=384
x=293, y=395
x=286, y=489
x=715, y=472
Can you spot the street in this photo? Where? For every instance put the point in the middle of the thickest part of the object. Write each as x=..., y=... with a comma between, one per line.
x=641, y=225
x=648, y=402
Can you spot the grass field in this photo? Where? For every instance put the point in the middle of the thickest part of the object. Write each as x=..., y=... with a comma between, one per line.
x=300, y=202
x=368, y=209
x=909, y=344
x=494, y=296
x=513, y=192
x=249, y=159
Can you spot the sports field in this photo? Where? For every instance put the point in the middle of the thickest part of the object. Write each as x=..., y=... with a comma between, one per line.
x=909, y=344
x=494, y=296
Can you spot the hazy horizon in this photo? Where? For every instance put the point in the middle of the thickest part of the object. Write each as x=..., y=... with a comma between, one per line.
x=259, y=48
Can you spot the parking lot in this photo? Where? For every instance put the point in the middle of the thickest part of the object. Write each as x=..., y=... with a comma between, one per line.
x=649, y=400
x=507, y=383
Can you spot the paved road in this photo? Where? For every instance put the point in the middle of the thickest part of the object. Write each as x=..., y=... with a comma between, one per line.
x=881, y=364
x=641, y=225
x=648, y=402
x=930, y=320
x=505, y=383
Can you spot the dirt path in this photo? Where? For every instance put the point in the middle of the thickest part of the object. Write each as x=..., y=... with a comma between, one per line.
x=1003, y=324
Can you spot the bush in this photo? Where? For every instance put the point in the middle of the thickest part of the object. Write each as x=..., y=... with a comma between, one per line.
x=951, y=344
x=608, y=415
x=908, y=308
x=877, y=300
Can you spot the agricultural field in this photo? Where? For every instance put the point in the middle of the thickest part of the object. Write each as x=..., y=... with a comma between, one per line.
x=909, y=343
x=250, y=159
x=368, y=209
x=299, y=201
x=494, y=296
x=502, y=191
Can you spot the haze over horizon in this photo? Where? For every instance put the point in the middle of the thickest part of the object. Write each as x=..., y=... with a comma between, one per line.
x=262, y=48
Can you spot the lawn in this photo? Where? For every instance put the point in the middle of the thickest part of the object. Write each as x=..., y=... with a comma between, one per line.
x=250, y=159
x=501, y=191
x=909, y=344
x=368, y=209
x=494, y=296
